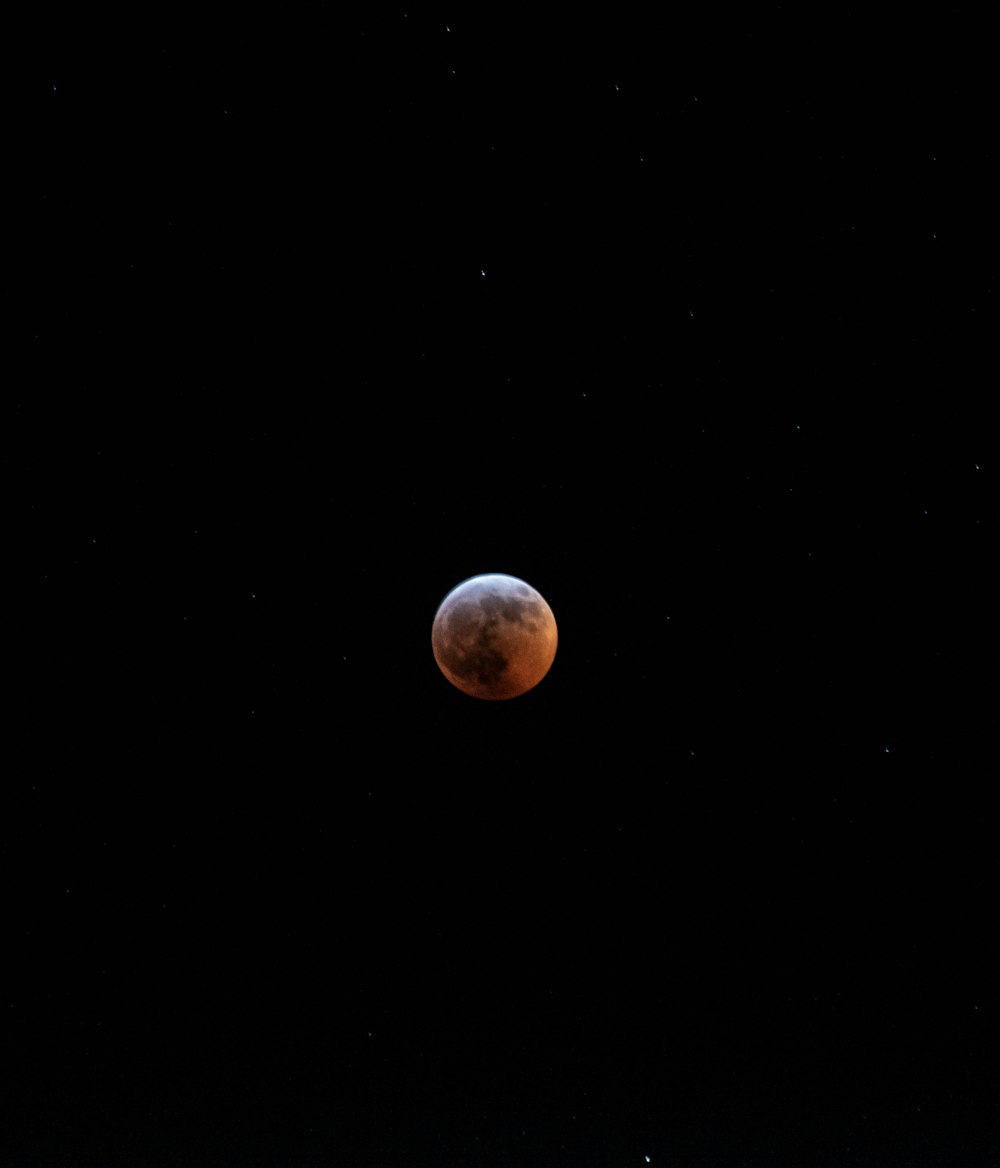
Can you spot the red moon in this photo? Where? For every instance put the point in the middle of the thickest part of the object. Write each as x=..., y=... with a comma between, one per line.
x=494, y=637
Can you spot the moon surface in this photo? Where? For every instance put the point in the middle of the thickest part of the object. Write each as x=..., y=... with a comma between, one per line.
x=494, y=637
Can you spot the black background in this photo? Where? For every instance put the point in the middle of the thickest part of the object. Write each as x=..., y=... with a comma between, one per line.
x=684, y=323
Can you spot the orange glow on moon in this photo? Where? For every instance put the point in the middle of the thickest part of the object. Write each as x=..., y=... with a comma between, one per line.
x=494, y=637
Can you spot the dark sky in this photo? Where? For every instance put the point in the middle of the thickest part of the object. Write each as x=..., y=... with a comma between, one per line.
x=686, y=323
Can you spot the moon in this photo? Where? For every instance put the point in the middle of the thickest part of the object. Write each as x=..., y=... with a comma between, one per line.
x=494, y=637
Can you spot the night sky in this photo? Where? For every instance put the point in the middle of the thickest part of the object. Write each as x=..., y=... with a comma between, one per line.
x=690, y=324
